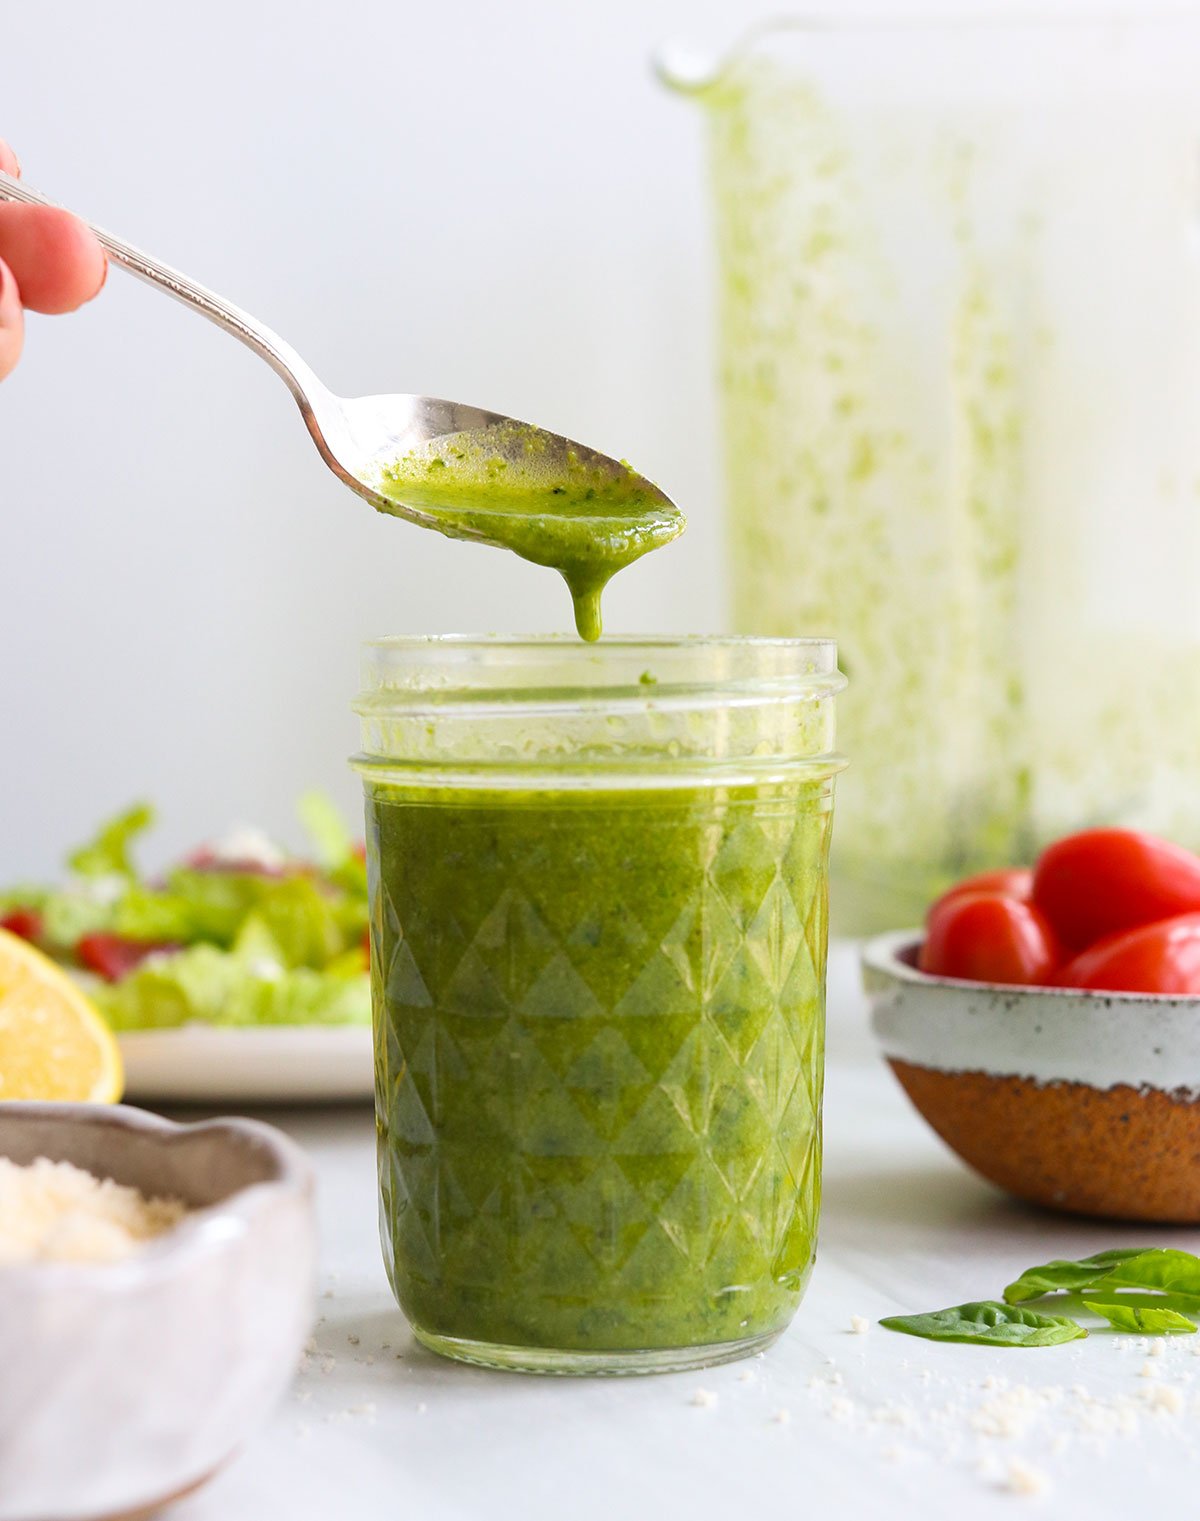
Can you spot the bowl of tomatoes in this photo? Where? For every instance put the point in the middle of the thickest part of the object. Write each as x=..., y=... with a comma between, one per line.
x=1046, y=1023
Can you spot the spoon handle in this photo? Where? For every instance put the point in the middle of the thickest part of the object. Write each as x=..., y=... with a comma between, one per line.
x=282, y=358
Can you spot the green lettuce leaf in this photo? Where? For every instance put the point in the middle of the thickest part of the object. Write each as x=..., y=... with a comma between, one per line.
x=988, y=1323
x=107, y=855
x=22, y=897
x=325, y=828
x=1068, y=1273
x=70, y=914
x=1140, y=1313
x=310, y=921
x=240, y=987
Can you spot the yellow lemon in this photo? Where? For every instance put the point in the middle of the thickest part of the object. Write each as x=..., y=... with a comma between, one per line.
x=53, y=1042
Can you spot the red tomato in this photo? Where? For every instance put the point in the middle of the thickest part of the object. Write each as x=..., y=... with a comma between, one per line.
x=1154, y=958
x=987, y=937
x=1008, y=881
x=114, y=956
x=1097, y=883
x=26, y=922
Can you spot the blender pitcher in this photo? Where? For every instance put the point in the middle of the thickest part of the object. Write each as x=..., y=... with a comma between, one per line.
x=959, y=318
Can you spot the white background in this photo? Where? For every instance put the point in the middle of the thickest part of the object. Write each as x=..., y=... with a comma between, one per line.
x=496, y=203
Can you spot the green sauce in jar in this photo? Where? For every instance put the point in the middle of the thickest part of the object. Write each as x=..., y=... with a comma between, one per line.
x=599, y=1013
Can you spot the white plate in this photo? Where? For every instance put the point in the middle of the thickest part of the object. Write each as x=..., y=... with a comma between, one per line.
x=276, y=1064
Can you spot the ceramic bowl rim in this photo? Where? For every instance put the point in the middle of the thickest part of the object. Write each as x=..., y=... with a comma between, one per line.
x=202, y=1231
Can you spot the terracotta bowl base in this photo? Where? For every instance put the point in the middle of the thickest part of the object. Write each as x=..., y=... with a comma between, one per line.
x=1121, y=1153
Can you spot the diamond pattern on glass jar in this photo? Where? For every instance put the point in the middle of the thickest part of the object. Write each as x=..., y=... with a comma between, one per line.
x=600, y=1099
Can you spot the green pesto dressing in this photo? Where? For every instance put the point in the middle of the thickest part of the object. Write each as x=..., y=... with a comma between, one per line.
x=513, y=486
x=599, y=1028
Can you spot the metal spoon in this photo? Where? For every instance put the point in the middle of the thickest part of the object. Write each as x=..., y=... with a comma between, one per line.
x=358, y=437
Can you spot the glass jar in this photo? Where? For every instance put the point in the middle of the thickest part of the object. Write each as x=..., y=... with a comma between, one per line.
x=959, y=313
x=598, y=932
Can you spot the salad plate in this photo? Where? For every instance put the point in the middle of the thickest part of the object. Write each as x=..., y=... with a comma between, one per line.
x=213, y=1064
x=239, y=974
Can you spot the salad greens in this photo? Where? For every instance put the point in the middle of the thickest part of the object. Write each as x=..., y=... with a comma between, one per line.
x=990, y=1323
x=1172, y=1305
x=237, y=934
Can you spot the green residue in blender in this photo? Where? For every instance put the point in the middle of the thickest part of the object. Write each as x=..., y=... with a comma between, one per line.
x=874, y=455
x=514, y=486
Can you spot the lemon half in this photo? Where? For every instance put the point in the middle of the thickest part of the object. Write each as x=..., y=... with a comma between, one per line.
x=54, y=1044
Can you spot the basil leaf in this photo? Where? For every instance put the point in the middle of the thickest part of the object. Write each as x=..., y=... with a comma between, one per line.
x=989, y=1323
x=1070, y=1273
x=1169, y=1269
x=1127, y=1316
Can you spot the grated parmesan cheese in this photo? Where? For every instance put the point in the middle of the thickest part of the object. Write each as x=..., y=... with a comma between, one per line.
x=1024, y=1479
x=56, y=1212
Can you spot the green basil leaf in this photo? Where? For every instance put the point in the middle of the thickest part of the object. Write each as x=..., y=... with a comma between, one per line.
x=1069, y=1274
x=990, y=1324
x=1147, y=1318
x=1169, y=1269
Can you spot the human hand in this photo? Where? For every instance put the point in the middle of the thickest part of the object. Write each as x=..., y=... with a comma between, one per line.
x=49, y=262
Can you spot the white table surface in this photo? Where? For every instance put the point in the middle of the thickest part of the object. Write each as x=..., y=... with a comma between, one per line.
x=828, y=1421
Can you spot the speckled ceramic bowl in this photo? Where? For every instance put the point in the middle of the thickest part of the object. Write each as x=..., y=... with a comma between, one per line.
x=1088, y=1102
x=123, y=1385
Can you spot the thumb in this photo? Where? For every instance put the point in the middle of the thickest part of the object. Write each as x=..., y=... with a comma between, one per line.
x=12, y=321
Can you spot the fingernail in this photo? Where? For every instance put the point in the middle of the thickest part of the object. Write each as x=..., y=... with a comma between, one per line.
x=10, y=307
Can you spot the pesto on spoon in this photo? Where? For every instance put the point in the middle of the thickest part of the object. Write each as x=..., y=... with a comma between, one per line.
x=468, y=473
x=549, y=500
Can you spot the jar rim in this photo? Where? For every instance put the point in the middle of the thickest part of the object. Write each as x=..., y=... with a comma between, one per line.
x=655, y=705
x=545, y=672
x=608, y=642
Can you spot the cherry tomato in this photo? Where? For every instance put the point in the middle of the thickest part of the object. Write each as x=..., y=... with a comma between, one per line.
x=988, y=937
x=1097, y=883
x=114, y=956
x=1154, y=958
x=26, y=922
x=1008, y=881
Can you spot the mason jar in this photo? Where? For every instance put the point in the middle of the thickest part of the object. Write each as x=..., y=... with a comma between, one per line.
x=598, y=935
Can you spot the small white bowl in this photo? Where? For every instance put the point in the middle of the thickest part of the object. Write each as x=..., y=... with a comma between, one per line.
x=1084, y=1101
x=125, y=1384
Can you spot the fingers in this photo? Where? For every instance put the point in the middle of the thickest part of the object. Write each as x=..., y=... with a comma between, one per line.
x=12, y=318
x=12, y=321
x=56, y=262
